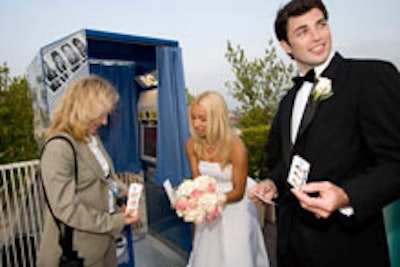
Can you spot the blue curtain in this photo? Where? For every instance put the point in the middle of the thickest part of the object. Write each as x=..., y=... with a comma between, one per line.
x=121, y=135
x=173, y=128
x=392, y=223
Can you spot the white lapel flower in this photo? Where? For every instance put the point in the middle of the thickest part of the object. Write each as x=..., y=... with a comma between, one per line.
x=322, y=90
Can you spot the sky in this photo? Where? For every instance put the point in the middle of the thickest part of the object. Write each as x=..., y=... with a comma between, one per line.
x=360, y=29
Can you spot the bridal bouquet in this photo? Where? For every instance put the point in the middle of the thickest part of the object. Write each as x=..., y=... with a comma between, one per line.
x=198, y=200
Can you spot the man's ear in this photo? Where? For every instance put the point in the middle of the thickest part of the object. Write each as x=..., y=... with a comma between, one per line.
x=286, y=46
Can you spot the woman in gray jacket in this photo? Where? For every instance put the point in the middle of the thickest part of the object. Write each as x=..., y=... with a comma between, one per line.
x=82, y=205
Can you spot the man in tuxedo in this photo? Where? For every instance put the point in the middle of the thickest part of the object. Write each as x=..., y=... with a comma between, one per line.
x=342, y=118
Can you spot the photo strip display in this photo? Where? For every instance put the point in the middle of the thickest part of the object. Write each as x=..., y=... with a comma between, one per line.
x=63, y=60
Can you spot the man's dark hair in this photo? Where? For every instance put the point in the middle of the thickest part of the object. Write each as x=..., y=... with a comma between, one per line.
x=293, y=9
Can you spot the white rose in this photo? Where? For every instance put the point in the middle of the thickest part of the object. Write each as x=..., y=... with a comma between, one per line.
x=323, y=89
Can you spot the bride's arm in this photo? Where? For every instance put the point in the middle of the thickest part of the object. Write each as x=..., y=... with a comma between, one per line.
x=239, y=171
x=193, y=160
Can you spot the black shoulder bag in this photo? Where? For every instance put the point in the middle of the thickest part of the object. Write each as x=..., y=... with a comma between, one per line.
x=69, y=257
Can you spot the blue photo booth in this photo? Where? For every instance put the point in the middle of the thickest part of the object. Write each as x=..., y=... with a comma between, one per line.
x=148, y=129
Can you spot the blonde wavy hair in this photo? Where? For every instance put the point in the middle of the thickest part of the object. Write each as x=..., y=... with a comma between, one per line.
x=219, y=132
x=85, y=99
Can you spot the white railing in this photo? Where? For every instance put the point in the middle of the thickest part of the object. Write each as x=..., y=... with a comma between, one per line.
x=21, y=206
x=21, y=212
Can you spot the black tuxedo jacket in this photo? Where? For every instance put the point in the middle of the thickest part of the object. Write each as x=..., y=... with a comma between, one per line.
x=351, y=139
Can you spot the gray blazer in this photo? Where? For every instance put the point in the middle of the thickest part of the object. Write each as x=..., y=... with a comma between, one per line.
x=83, y=206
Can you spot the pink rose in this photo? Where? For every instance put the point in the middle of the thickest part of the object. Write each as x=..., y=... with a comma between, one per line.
x=211, y=187
x=196, y=193
x=181, y=204
x=212, y=213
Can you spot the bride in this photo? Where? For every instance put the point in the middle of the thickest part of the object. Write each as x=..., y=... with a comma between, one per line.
x=234, y=239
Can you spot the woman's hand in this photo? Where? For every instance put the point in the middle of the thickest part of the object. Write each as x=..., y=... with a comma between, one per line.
x=222, y=198
x=131, y=217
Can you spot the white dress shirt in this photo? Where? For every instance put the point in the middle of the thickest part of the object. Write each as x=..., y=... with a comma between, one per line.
x=94, y=147
x=301, y=98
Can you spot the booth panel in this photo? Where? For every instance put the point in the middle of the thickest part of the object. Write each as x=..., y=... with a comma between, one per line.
x=103, y=49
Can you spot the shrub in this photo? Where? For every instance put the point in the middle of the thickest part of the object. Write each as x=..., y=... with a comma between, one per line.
x=255, y=139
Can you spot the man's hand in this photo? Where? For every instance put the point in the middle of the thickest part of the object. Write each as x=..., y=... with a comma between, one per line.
x=265, y=189
x=330, y=198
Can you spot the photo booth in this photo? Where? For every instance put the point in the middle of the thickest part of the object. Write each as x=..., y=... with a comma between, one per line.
x=147, y=131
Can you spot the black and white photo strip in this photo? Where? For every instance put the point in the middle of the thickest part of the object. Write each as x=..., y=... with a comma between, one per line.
x=62, y=61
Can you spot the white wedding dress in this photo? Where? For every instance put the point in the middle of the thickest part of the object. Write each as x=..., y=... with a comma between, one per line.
x=234, y=239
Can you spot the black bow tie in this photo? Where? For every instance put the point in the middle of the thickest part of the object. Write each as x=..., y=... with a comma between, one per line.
x=309, y=77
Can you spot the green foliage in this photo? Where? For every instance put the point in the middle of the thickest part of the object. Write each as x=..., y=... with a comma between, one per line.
x=255, y=139
x=259, y=83
x=189, y=97
x=252, y=118
x=17, y=141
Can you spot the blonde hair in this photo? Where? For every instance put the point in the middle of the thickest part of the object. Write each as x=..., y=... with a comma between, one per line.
x=219, y=131
x=85, y=99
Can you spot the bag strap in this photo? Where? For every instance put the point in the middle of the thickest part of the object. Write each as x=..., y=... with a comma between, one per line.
x=66, y=236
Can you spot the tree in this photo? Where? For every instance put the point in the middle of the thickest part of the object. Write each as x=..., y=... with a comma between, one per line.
x=259, y=83
x=17, y=141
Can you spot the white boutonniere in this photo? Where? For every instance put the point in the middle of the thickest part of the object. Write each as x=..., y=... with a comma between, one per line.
x=322, y=89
